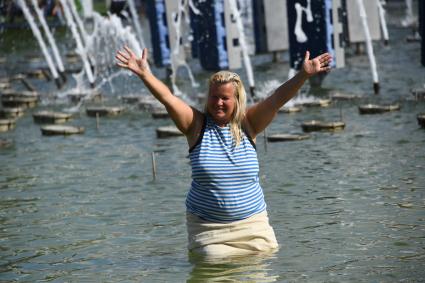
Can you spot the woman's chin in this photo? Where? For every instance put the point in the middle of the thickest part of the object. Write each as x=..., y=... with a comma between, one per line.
x=220, y=120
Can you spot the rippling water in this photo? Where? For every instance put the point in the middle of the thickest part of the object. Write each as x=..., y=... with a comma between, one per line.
x=346, y=206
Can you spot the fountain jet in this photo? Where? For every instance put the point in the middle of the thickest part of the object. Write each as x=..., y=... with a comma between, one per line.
x=369, y=46
x=35, y=30
x=51, y=40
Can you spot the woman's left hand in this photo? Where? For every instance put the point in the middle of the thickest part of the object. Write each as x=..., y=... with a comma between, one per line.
x=316, y=65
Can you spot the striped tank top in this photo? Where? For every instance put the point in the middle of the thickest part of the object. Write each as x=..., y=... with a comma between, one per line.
x=225, y=179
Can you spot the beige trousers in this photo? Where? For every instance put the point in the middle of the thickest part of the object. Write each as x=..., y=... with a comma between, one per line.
x=247, y=236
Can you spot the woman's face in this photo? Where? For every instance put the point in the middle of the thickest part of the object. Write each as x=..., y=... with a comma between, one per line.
x=221, y=102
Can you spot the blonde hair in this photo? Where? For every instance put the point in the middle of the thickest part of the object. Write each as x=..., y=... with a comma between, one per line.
x=238, y=114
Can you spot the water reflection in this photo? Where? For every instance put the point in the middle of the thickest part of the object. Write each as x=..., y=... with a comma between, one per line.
x=253, y=268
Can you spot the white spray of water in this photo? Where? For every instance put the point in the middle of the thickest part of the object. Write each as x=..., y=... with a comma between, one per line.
x=136, y=22
x=176, y=60
x=94, y=92
x=268, y=87
x=38, y=36
x=382, y=20
x=409, y=19
x=87, y=8
x=78, y=21
x=246, y=12
x=299, y=33
x=109, y=34
x=292, y=72
x=193, y=8
x=369, y=46
x=245, y=51
x=80, y=48
x=49, y=36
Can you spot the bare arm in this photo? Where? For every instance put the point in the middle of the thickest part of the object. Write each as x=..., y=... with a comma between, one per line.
x=185, y=117
x=260, y=115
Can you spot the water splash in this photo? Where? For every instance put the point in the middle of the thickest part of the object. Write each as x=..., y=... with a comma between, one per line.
x=80, y=47
x=382, y=20
x=109, y=34
x=299, y=33
x=136, y=22
x=409, y=19
x=193, y=8
x=369, y=46
x=268, y=87
x=93, y=92
x=177, y=59
x=244, y=46
x=49, y=36
x=87, y=8
x=78, y=20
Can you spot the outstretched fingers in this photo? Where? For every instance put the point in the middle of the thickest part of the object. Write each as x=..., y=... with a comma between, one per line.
x=129, y=51
x=123, y=57
x=325, y=69
x=145, y=54
x=120, y=56
x=325, y=60
x=325, y=57
x=121, y=61
x=307, y=56
x=122, y=65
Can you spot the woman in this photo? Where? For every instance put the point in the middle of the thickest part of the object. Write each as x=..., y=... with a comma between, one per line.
x=226, y=211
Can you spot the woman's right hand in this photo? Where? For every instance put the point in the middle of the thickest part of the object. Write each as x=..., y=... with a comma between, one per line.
x=128, y=60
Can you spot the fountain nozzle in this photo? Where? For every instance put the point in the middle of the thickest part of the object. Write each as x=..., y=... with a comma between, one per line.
x=58, y=83
x=63, y=77
x=376, y=88
x=252, y=92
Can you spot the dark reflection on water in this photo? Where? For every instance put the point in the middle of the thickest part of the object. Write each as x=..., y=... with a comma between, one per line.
x=254, y=268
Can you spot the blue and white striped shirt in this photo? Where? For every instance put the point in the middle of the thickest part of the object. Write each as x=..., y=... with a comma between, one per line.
x=225, y=179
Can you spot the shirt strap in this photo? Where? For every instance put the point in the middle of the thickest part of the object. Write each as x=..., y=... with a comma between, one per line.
x=201, y=134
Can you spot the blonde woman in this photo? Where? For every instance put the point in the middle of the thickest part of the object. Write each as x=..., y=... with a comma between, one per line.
x=226, y=211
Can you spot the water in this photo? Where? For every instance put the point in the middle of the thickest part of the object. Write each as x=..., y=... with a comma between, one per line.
x=244, y=47
x=136, y=22
x=80, y=49
x=346, y=206
x=382, y=20
x=178, y=58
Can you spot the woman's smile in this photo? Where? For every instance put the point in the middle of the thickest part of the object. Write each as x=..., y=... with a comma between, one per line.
x=221, y=102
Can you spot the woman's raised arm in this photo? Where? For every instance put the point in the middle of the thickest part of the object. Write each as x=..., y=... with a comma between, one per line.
x=185, y=117
x=261, y=114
